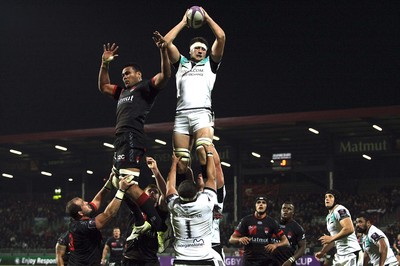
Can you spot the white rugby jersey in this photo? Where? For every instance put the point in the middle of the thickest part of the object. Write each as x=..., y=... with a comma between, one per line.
x=219, y=207
x=194, y=83
x=370, y=245
x=192, y=223
x=347, y=244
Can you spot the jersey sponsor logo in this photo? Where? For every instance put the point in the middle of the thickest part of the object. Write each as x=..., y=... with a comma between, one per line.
x=195, y=243
x=199, y=215
x=120, y=157
x=258, y=240
x=125, y=99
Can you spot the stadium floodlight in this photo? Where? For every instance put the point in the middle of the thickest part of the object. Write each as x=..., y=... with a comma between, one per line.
x=61, y=148
x=109, y=145
x=15, y=152
x=159, y=141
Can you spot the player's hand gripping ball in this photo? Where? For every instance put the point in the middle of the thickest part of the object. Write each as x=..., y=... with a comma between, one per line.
x=195, y=17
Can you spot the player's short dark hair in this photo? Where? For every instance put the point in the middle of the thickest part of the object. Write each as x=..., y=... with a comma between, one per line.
x=73, y=209
x=198, y=39
x=336, y=194
x=187, y=189
x=151, y=186
x=289, y=202
x=135, y=66
x=365, y=215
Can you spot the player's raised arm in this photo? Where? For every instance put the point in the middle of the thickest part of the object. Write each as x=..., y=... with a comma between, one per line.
x=104, y=83
x=161, y=79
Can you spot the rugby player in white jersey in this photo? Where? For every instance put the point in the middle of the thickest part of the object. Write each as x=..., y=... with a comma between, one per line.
x=375, y=243
x=191, y=213
x=341, y=229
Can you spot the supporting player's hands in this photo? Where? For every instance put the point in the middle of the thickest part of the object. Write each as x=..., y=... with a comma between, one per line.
x=175, y=159
x=325, y=239
x=109, y=52
x=159, y=40
x=124, y=184
x=244, y=240
x=151, y=163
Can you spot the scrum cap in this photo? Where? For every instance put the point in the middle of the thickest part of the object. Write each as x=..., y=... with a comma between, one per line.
x=261, y=198
x=335, y=193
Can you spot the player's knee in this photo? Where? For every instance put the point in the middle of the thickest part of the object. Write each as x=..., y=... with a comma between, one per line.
x=130, y=176
x=203, y=141
x=183, y=153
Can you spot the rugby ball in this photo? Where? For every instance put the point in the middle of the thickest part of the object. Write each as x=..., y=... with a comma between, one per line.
x=195, y=17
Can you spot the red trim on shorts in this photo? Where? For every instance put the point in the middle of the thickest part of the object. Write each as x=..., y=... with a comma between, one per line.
x=142, y=199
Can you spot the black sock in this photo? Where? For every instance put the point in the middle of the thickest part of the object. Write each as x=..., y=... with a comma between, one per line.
x=137, y=213
x=147, y=206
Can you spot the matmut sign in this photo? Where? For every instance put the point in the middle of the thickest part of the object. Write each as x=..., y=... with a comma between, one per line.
x=361, y=145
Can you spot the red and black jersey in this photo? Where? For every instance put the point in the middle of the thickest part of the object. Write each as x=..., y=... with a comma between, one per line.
x=294, y=233
x=133, y=106
x=85, y=243
x=116, y=246
x=63, y=240
x=261, y=232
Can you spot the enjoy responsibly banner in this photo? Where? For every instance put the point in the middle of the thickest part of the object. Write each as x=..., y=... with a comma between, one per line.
x=164, y=260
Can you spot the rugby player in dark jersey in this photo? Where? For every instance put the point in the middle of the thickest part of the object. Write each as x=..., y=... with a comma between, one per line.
x=256, y=233
x=62, y=249
x=135, y=101
x=115, y=246
x=141, y=249
x=294, y=232
x=85, y=238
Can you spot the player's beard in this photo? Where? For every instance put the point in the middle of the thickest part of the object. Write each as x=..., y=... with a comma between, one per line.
x=361, y=230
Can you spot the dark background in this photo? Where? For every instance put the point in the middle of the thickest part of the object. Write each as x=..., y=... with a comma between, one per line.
x=280, y=56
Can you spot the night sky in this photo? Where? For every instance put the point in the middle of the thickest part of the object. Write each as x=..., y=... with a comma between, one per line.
x=280, y=57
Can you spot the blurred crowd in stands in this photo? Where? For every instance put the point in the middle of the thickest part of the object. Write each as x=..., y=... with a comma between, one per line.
x=35, y=222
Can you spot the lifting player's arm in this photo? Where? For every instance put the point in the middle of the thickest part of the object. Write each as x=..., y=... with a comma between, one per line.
x=112, y=208
x=171, y=179
x=218, y=169
x=211, y=172
x=98, y=198
x=161, y=184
